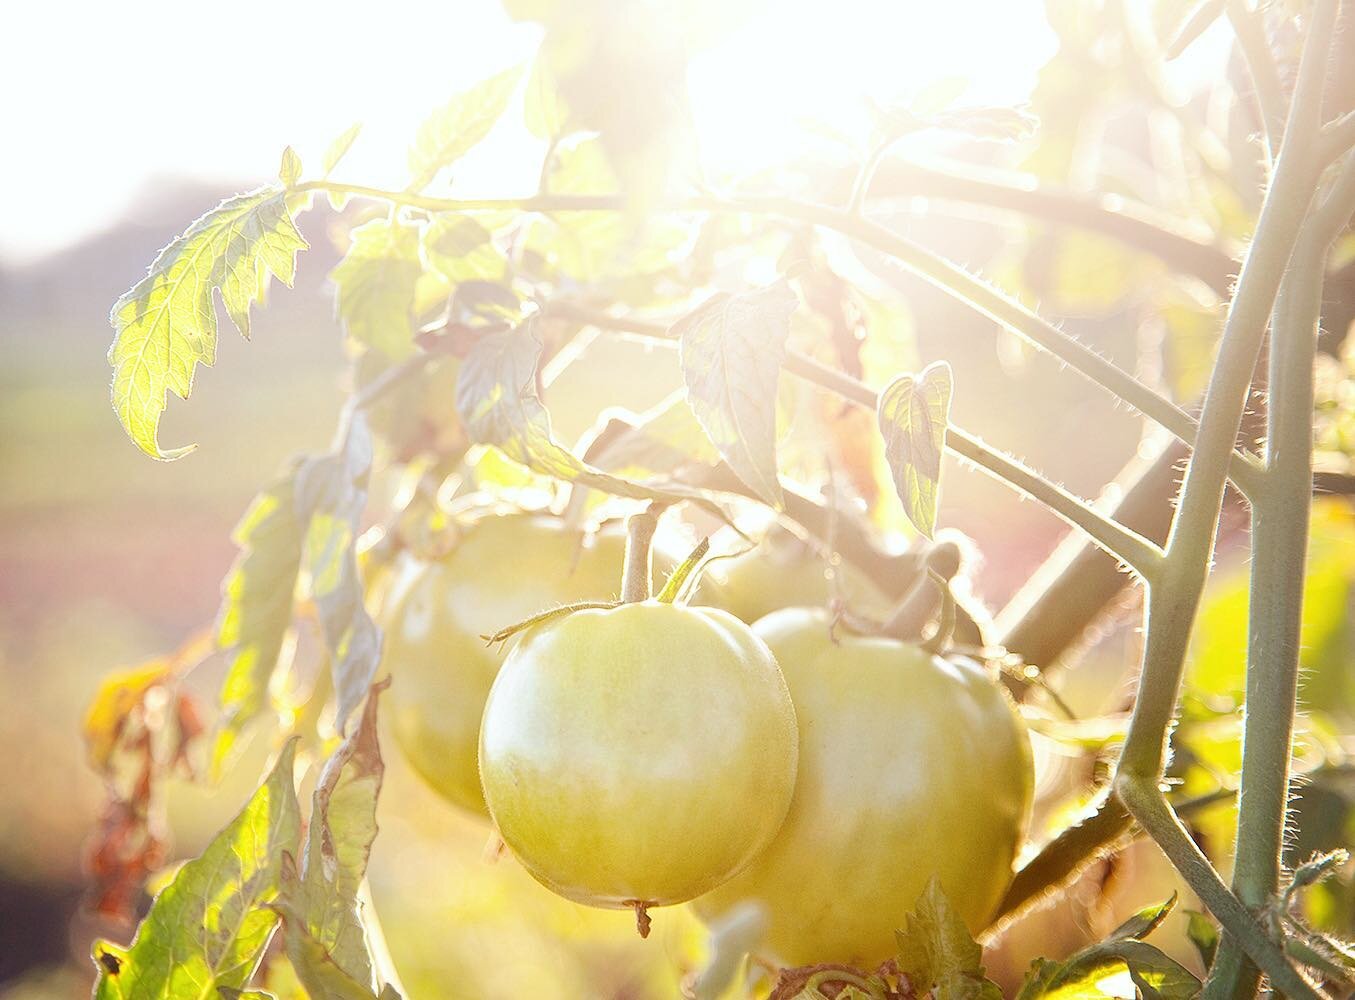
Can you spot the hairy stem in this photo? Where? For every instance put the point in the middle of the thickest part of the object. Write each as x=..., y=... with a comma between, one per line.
x=1174, y=598
x=1280, y=519
x=639, y=562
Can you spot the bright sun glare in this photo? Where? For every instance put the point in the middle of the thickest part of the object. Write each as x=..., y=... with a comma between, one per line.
x=233, y=88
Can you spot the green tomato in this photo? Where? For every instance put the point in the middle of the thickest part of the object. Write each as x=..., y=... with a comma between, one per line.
x=504, y=569
x=784, y=572
x=638, y=756
x=910, y=766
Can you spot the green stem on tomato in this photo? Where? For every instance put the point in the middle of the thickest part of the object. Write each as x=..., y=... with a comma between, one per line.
x=1280, y=519
x=1174, y=597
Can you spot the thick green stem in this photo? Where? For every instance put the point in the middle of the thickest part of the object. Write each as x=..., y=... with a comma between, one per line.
x=1174, y=598
x=1280, y=518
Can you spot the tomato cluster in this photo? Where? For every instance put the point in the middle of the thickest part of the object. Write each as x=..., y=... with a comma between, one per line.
x=647, y=753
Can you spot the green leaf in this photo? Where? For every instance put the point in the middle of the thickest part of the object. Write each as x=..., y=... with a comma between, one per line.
x=731, y=349
x=376, y=281
x=315, y=966
x=663, y=440
x=913, y=413
x=459, y=125
x=227, y=993
x=165, y=325
x=1143, y=923
x=461, y=249
x=937, y=951
x=338, y=844
x=209, y=927
x=497, y=398
x=1203, y=935
x=256, y=607
x=1152, y=972
x=339, y=148
x=544, y=111
x=290, y=170
x=331, y=492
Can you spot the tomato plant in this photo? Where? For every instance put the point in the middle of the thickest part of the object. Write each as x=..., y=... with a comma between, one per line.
x=844, y=789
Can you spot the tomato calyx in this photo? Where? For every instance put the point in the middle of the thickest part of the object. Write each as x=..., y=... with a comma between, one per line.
x=508, y=631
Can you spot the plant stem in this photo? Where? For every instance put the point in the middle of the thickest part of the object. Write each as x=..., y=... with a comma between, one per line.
x=945, y=275
x=639, y=565
x=1174, y=598
x=1280, y=520
x=1265, y=75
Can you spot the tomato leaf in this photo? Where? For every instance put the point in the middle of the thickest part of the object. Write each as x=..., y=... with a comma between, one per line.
x=324, y=910
x=1203, y=935
x=339, y=148
x=165, y=325
x=731, y=348
x=459, y=125
x=289, y=172
x=936, y=950
x=497, y=398
x=376, y=281
x=1153, y=973
x=256, y=607
x=331, y=493
x=1143, y=923
x=459, y=247
x=544, y=112
x=209, y=927
x=913, y=412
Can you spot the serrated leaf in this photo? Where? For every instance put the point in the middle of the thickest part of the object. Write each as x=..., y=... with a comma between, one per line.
x=936, y=951
x=289, y=172
x=496, y=395
x=731, y=349
x=209, y=927
x=913, y=413
x=331, y=493
x=376, y=281
x=165, y=325
x=459, y=125
x=461, y=249
x=662, y=440
x=1143, y=923
x=316, y=968
x=339, y=148
x=338, y=844
x=256, y=607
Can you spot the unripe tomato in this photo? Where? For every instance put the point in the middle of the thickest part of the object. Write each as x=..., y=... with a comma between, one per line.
x=638, y=756
x=910, y=766
x=504, y=569
x=784, y=572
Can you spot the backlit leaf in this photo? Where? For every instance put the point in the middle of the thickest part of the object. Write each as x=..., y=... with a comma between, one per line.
x=376, y=281
x=936, y=951
x=544, y=111
x=913, y=413
x=290, y=170
x=338, y=844
x=499, y=404
x=1143, y=923
x=459, y=125
x=165, y=325
x=256, y=607
x=731, y=348
x=460, y=248
x=339, y=148
x=209, y=927
x=331, y=492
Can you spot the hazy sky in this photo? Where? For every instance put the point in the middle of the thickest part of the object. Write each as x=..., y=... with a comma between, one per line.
x=103, y=99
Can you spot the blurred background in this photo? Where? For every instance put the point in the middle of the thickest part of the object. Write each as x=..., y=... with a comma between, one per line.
x=125, y=122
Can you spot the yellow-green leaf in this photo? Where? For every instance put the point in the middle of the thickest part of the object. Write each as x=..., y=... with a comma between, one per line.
x=376, y=281
x=165, y=325
x=731, y=349
x=339, y=148
x=290, y=170
x=461, y=249
x=936, y=951
x=256, y=607
x=459, y=125
x=913, y=412
x=209, y=927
